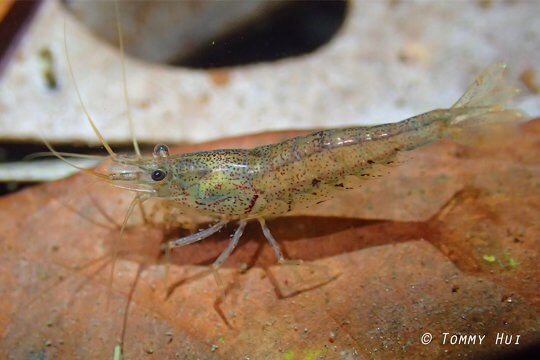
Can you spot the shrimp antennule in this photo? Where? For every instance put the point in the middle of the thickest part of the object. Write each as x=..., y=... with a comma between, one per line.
x=124, y=80
x=85, y=110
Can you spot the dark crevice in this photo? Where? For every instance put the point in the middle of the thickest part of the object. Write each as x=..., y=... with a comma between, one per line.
x=282, y=29
x=18, y=151
x=300, y=27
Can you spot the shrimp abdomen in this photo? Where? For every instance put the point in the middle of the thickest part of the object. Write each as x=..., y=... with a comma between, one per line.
x=306, y=170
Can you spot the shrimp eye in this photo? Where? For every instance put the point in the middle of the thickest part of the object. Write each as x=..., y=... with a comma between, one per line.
x=158, y=175
x=161, y=150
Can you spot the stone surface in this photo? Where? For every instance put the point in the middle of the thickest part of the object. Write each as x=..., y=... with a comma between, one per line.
x=390, y=60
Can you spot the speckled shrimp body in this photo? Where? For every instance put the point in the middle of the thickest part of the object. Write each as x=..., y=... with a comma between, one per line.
x=239, y=185
x=274, y=179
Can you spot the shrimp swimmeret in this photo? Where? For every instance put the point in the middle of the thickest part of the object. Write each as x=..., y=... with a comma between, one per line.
x=240, y=185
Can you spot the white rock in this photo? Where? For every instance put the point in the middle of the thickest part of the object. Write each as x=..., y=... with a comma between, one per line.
x=388, y=62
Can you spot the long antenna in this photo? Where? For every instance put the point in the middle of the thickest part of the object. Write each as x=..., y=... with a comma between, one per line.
x=85, y=170
x=88, y=117
x=124, y=79
x=65, y=154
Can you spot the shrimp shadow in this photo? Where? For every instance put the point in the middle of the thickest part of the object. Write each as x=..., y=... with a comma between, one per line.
x=308, y=238
x=311, y=238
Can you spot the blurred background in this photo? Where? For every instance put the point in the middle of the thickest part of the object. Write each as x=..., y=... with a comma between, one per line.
x=202, y=70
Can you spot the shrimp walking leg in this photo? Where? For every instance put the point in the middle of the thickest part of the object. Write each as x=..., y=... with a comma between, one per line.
x=232, y=245
x=197, y=236
x=275, y=246
x=227, y=252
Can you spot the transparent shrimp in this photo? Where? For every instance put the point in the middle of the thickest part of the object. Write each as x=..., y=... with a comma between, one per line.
x=238, y=185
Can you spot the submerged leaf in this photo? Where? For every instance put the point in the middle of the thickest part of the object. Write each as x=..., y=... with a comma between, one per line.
x=383, y=265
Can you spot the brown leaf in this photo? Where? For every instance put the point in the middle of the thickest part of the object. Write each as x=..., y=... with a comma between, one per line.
x=448, y=242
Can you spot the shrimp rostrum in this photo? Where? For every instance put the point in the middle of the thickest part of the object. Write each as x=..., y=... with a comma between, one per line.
x=238, y=185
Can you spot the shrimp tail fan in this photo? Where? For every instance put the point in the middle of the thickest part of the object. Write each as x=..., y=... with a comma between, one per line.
x=484, y=102
x=489, y=89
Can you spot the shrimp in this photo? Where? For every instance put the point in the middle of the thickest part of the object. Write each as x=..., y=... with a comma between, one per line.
x=239, y=185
